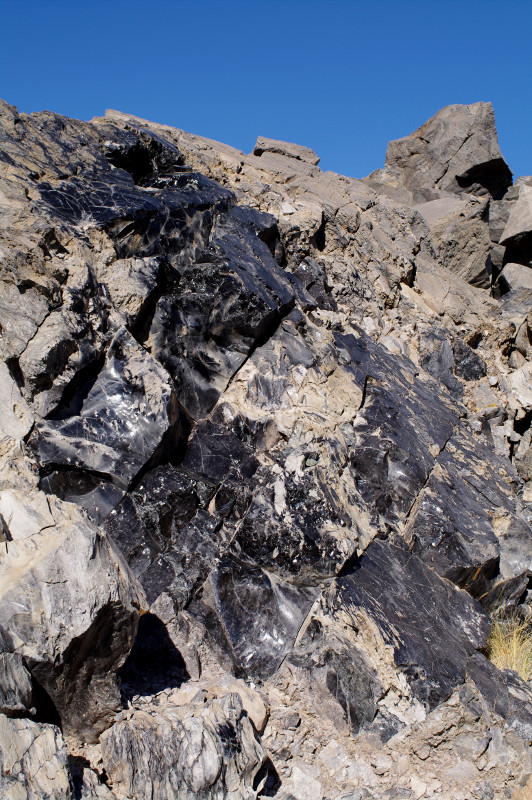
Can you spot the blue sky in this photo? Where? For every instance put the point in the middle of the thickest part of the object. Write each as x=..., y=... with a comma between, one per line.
x=340, y=76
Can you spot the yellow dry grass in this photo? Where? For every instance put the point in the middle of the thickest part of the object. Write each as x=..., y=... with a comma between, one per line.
x=510, y=644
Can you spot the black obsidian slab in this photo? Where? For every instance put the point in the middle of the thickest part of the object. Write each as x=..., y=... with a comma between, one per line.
x=98, y=199
x=313, y=277
x=456, y=538
x=147, y=157
x=182, y=569
x=419, y=401
x=123, y=420
x=451, y=527
x=149, y=518
x=174, y=219
x=226, y=302
x=253, y=614
x=88, y=489
x=432, y=626
x=401, y=426
x=169, y=538
x=178, y=521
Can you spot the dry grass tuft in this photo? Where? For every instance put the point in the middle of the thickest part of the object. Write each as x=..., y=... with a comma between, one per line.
x=510, y=644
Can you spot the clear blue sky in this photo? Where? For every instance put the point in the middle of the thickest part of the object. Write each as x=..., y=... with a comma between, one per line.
x=341, y=76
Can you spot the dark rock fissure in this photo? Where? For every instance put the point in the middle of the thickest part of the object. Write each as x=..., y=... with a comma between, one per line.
x=154, y=662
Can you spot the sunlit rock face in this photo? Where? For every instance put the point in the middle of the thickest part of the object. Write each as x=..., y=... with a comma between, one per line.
x=264, y=464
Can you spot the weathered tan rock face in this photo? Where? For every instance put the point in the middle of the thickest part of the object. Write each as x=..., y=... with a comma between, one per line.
x=268, y=410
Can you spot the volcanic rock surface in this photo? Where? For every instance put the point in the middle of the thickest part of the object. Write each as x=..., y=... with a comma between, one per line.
x=265, y=465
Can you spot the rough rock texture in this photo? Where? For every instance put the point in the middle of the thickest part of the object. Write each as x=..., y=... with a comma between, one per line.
x=200, y=750
x=265, y=465
x=69, y=609
x=33, y=761
x=456, y=150
x=517, y=233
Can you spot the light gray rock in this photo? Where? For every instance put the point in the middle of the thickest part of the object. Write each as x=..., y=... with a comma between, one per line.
x=523, y=457
x=33, y=761
x=51, y=358
x=130, y=283
x=517, y=233
x=297, y=151
x=86, y=782
x=456, y=150
x=515, y=276
x=284, y=167
x=499, y=211
x=25, y=514
x=521, y=385
x=520, y=218
x=182, y=753
x=461, y=772
x=304, y=786
x=462, y=244
x=15, y=685
x=20, y=316
x=15, y=416
x=434, y=211
x=523, y=180
x=69, y=607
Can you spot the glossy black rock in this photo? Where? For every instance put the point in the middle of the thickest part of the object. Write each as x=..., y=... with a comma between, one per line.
x=432, y=626
x=123, y=421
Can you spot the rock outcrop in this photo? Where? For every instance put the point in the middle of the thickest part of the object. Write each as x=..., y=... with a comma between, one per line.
x=265, y=465
x=455, y=151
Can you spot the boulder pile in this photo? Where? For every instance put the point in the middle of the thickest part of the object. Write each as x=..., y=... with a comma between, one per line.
x=265, y=465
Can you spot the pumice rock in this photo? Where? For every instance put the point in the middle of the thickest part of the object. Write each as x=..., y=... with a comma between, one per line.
x=265, y=465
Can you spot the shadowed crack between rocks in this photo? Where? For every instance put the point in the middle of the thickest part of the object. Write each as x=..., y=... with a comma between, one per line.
x=417, y=498
x=260, y=342
x=446, y=165
x=36, y=332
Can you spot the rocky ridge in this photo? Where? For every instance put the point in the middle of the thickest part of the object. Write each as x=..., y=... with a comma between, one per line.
x=265, y=465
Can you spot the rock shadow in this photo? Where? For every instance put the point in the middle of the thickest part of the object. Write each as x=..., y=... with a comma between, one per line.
x=154, y=662
x=76, y=766
x=45, y=709
x=269, y=776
